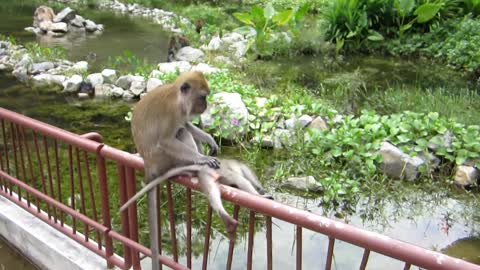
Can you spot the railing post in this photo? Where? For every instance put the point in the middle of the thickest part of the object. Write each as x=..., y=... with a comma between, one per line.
x=102, y=180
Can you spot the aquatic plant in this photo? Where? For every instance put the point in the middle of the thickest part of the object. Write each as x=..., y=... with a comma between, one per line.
x=271, y=25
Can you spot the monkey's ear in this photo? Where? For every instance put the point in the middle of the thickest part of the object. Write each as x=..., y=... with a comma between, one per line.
x=184, y=88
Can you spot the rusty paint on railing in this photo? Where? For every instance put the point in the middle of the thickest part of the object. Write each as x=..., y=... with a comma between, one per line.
x=26, y=174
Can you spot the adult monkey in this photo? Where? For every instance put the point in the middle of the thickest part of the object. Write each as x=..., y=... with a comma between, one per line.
x=156, y=121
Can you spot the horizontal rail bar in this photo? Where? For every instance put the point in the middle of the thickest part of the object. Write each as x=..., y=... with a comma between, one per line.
x=50, y=201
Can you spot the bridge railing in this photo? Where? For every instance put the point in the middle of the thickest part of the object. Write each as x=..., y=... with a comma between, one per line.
x=76, y=184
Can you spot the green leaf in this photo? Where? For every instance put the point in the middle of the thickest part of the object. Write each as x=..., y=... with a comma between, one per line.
x=269, y=11
x=257, y=13
x=374, y=35
x=302, y=11
x=427, y=11
x=404, y=7
x=405, y=27
x=244, y=18
x=283, y=17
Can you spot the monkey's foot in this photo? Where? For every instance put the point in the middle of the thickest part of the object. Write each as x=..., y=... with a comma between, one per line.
x=231, y=227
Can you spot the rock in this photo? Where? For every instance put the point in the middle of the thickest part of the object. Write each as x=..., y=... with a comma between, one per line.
x=153, y=83
x=3, y=67
x=25, y=62
x=138, y=85
x=83, y=95
x=4, y=44
x=117, y=92
x=215, y=44
x=397, y=164
x=205, y=68
x=103, y=90
x=337, y=119
x=438, y=141
x=66, y=15
x=100, y=28
x=86, y=88
x=189, y=54
x=301, y=122
x=78, y=21
x=55, y=34
x=239, y=48
x=46, y=79
x=155, y=74
x=127, y=95
x=430, y=159
x=304, y=120
x=90, y=26
x=318, y=123
x=261, y=101
x=224, y=60
x=232, y=37
x=44, y=26
x=124, y=81
x=60, y=27
x=466, y=176
x=109, y=75
x=72, y=85
x=81, y=66
x=41, y=67
x=233, y=111
x=283, y=137
x=21, y=74
x=170, y=67
x=306, y=183
x=34, y=30
x=94, y=79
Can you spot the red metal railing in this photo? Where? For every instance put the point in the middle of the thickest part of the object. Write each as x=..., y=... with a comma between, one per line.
x=66, y=180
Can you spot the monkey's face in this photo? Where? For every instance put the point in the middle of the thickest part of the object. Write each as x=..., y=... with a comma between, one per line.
x=197, y=98
x=200, y=104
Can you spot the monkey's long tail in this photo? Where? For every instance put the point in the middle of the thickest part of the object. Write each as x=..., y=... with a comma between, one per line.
x=185, y=170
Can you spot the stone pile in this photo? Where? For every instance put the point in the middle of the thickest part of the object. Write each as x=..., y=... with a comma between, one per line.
x=45, y=22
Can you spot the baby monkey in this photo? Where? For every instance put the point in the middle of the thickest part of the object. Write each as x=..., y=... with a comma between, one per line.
x=231, y=173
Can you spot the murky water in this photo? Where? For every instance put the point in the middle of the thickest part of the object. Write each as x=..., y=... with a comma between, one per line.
x=440, y=221
x=122, y=33
x=11, y=260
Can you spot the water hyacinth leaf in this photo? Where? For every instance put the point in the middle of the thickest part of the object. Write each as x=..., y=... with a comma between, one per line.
x=244, y=18
x=283, y=17
x=269, y=11
x=427, y=11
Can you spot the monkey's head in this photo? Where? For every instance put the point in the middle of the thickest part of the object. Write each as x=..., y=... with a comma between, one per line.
x=194, y=90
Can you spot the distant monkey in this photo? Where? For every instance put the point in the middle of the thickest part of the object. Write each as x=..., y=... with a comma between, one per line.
x=42, y=13
x=176, y=42
x=199, y=25
x=156, y=120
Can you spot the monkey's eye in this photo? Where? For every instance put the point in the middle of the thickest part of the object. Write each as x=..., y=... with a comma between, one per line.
x=185, y=87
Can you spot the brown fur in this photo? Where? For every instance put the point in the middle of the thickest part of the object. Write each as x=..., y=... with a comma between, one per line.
x=42, y=13
x=157, y=119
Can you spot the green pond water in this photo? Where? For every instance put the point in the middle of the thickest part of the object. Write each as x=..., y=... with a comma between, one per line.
x=446, y=221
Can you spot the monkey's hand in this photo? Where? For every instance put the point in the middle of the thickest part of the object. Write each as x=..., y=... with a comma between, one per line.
x=214, y=149
x=211, y=162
